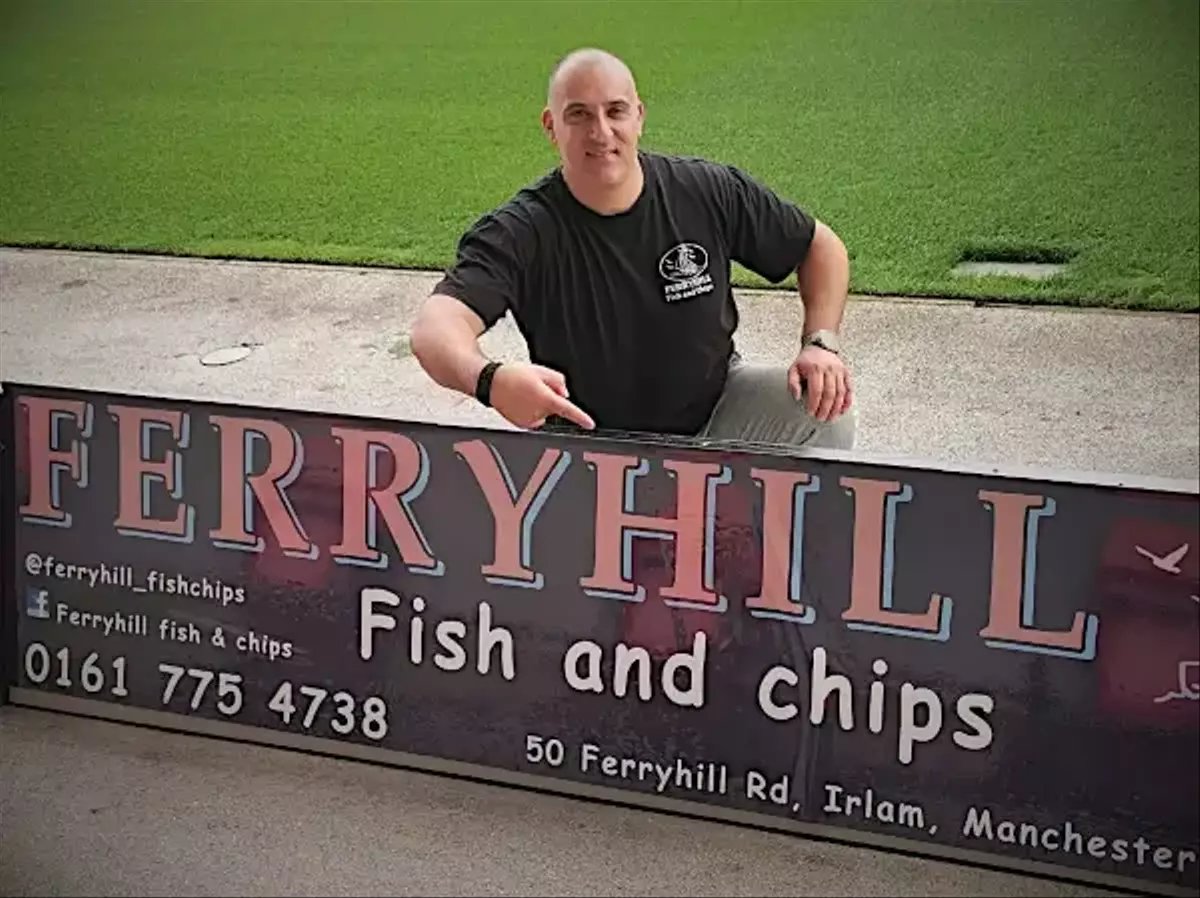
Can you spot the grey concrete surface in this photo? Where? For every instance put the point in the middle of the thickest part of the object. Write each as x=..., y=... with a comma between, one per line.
x=95, y=808
x=943, y=381
x=91, y=808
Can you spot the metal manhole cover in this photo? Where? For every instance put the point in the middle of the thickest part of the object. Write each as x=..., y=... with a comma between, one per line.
x=226, y=356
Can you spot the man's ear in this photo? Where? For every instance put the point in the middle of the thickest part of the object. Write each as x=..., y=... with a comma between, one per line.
x=548, y=123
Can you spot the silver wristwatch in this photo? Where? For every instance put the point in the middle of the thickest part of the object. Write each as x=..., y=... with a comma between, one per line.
x=827, y=340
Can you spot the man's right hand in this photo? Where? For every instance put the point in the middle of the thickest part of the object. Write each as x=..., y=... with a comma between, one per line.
x=527, y=395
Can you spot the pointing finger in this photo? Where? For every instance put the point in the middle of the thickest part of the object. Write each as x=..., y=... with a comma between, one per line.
x=572, y=412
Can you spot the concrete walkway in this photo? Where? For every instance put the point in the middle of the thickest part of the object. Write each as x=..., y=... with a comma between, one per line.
x=935, y=380
x=96, y=808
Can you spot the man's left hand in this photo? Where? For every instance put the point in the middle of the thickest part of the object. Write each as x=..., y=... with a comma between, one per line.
x=828, y=379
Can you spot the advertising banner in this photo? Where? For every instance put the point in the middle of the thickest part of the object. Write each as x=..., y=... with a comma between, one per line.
x=987, y=668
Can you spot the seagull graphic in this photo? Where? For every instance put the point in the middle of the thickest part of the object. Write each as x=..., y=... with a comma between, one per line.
x=1169, y=562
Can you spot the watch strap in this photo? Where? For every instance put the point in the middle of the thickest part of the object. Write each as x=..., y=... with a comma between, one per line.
x=483, y=386
x=826, y=339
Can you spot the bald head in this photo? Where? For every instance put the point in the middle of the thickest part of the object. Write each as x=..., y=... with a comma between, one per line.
x=594, y=117
x=582, y=63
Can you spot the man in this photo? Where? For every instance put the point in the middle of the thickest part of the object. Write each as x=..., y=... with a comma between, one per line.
x=615, y=267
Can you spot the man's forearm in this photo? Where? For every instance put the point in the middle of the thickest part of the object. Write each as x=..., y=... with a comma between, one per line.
x=824, y=280
x=455, y=367
x=447, y=349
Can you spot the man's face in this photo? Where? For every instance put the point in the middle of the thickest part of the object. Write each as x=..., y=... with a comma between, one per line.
x=595, y=119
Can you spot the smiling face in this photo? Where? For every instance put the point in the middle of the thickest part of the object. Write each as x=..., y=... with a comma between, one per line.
x=594, y=117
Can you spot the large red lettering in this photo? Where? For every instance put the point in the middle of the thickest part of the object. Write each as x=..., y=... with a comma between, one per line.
x=364, y=453
x=1014, y=578
x=513, y=514
x=692, y=528
x=240, y=489
x=782, y=549
x=137, y=472
x=49, y=460
x=873, y=571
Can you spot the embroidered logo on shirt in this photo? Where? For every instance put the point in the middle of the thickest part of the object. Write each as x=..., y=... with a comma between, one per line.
x=685, y=267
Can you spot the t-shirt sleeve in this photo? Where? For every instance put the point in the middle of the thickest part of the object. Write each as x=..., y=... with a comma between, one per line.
x=767, y=234
x=485, y=273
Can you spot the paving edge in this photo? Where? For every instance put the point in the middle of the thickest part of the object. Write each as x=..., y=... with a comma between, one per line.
x=979, y=303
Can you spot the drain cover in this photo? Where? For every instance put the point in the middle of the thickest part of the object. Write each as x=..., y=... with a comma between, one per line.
x=226, y=356
x=1037, y=271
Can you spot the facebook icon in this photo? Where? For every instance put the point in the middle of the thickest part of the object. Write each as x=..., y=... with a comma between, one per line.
x=37, y=603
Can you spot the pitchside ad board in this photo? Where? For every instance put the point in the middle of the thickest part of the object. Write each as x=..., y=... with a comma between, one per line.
x=975, y=667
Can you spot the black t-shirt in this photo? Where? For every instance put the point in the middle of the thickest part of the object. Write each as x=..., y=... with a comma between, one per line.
x=635, y=309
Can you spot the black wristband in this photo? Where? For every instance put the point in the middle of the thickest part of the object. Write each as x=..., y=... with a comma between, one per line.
x=483, y=387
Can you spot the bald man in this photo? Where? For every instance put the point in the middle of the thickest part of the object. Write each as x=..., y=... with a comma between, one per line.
x=616, y=269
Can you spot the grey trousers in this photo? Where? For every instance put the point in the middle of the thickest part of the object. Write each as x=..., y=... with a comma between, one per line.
x=757, y=407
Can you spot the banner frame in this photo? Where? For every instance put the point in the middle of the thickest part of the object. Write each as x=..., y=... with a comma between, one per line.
x=329, y=747
x=9, y=636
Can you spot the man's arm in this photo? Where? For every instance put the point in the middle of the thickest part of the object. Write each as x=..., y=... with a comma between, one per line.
x=774, y=237
x=475, y=293
x=824, y=280
x=445, y=341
